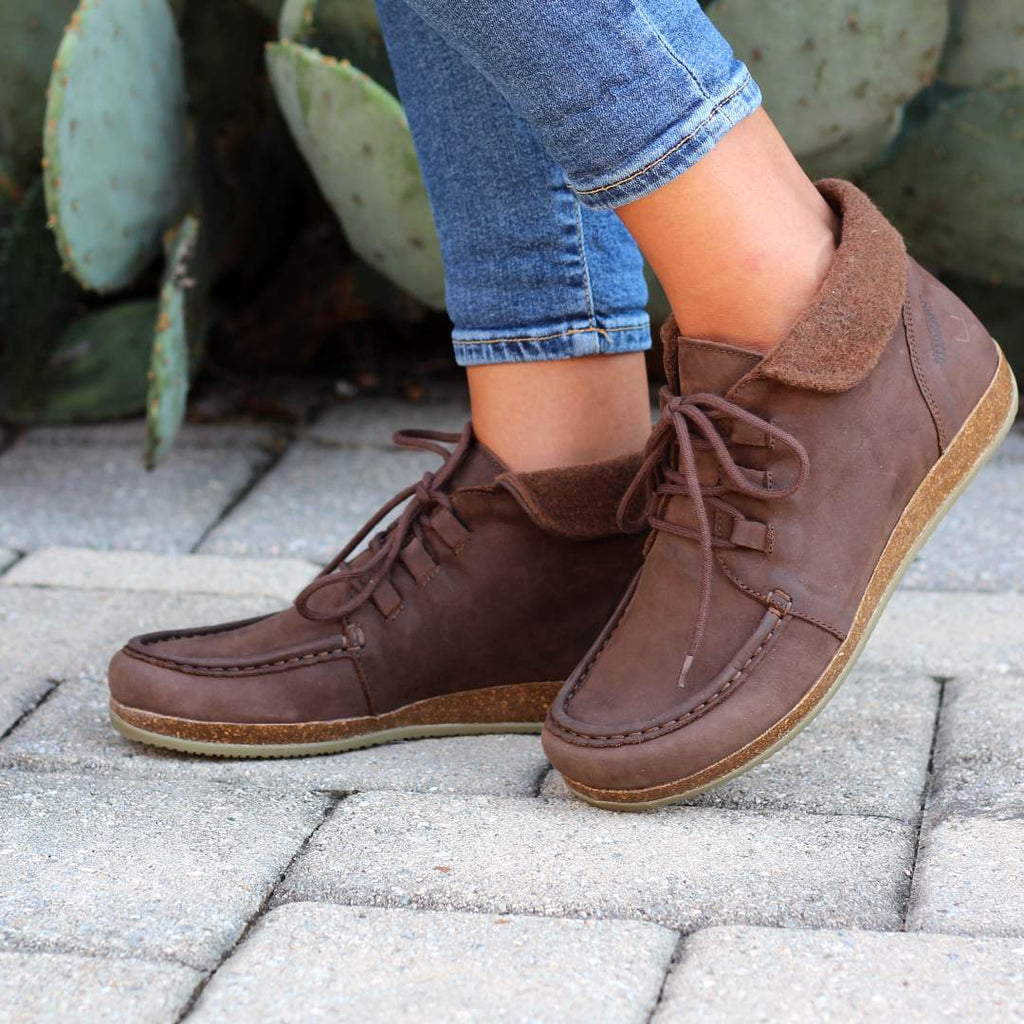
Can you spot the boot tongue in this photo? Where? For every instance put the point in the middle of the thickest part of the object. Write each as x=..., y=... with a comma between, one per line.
x=692, y=365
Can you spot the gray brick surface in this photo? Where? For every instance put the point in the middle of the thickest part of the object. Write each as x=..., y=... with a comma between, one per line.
x=64, y=634
x=866, y=753
x=314, y=500
x=18, y=694
x=83, y=568
x=950, y=634
x=735, y=974
x=372, y=421
x=685, y=867
x=52, y=988
x=72, y=731
x=148, y=869
x=970, y=877
x=979, y=750
x=7, y=558
x=101, y=497
x=971, y=548
x=366, y=964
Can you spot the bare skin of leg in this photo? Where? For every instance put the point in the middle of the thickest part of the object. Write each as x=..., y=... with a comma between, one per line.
x=740, y=242
x=561, y=413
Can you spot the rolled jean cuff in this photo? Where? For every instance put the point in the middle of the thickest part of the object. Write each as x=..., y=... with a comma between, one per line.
x=601, y=336
x=694, y=139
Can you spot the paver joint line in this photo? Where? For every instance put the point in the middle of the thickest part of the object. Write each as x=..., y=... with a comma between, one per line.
x=261, y=911
x=259, y=472
x=52, y=685
x=925, y=793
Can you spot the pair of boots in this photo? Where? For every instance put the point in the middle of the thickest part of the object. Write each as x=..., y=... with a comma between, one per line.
x=785, y=496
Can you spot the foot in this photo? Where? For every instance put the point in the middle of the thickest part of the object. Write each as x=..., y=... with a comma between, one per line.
x=790, y=493
x=463, y=616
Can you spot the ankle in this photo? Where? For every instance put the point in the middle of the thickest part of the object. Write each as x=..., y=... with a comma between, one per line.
x=759, y=293
x=546, y=415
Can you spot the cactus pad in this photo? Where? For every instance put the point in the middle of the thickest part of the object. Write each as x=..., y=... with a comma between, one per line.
x=30, y=32
x=346, y=29
x=356, y=141
x=953, y=183
x=97, y=370
x=169, y=365
x=834, y=69
x=114, y=139
x=986, y=44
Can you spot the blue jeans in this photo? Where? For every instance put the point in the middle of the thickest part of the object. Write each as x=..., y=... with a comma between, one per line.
x=533, y=120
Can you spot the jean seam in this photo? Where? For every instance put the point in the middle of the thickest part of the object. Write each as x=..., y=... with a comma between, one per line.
x=582, y=250
x=712, y=114
x=672, y=53
x=550, y=337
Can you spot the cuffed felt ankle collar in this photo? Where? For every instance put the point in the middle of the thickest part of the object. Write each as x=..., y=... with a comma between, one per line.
x=841, y=335
x=575, y=501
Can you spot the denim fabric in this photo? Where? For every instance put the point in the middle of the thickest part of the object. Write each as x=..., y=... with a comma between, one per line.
x=531, y=119
x=624, y=94
x=530, y=274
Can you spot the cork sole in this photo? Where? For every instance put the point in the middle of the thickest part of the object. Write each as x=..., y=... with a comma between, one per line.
x=517, y=707
x=974, y=444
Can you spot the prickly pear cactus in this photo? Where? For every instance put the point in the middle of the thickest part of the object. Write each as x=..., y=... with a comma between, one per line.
x=953, y=184
x=346, y=29
x=97, y=369
x=169, y=364
x=832, y=70
x=855, y=153
x=30, y=31
x=986, y=44
x=114, y=139
x=356, y=141
x=37, y=299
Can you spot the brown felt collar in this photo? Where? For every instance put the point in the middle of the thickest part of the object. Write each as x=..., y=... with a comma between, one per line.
x=840, y=336
x=576, y=501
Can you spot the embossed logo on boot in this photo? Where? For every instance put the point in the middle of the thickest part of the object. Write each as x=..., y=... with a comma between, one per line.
x=935, y=332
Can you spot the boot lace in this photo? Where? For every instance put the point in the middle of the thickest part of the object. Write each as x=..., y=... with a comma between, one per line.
x=691, y=424
x=375, y=565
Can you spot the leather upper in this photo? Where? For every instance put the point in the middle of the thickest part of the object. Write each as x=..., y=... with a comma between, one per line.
x=478, y=595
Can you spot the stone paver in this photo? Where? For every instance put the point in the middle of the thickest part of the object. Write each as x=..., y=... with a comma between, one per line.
x=101, y=497
x=685, y=867
x=82, y=568
x=366, y=964
x=979, y=750
x=866, y=753
x=142, y=868
x=312, y=502
x=18, y=694
x=807, y=977
x=72, y=731
x=50, y=988
x=7, y=558
x=372, y=421
x=972, y=548
x=944, y=634
x=970, y=877
x=64, y=634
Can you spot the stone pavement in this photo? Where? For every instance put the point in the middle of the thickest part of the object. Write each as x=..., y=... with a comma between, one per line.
x=873, y=870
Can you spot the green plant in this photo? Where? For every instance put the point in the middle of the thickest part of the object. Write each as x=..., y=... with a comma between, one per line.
x=834, y=73
x=356, y=141
x=953, y=184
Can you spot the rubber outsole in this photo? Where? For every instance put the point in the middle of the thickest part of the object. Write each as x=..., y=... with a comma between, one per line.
x=997, y=406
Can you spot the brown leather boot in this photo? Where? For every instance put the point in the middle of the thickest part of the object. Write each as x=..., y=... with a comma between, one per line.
x=464, y=616
x=790, y=494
